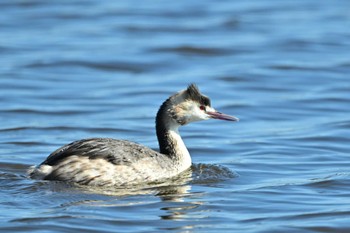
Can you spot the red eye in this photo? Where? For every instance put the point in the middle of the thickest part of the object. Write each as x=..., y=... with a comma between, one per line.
x=202, y=107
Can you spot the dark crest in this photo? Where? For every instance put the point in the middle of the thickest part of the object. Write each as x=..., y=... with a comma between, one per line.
x=195, y=95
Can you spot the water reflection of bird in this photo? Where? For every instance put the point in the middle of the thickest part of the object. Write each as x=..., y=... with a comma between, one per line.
x=107, y=162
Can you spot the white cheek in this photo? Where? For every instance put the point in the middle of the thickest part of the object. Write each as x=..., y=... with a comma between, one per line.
x=198, y=115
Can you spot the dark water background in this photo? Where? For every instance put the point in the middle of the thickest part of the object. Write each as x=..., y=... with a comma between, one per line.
x=79, y=69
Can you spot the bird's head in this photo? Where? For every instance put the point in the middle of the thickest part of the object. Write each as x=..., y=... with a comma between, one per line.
x=190, y=105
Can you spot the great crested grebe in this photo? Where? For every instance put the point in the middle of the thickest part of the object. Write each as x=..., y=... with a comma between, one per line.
x=113, y=162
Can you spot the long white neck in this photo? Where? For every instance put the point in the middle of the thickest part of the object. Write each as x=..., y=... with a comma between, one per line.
x=178, y=149
x=169, y=139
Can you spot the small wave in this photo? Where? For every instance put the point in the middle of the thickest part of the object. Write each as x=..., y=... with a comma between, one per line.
x=194, y=50
x=41, y=219
x=160, y=29
x=211, y=173
x=298, y=67
x=46, y=112
x=233, y=79
x=9, y=176
x=344, y=65
x=27, y=143
x=132, y=67
x=67, y=128
x=345, y=124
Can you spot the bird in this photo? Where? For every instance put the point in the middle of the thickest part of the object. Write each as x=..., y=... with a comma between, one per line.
x=115, y=162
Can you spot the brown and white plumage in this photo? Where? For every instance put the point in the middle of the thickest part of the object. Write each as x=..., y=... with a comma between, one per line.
x=107, y=162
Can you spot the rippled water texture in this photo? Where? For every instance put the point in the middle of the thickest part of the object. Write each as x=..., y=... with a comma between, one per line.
x=79, y=69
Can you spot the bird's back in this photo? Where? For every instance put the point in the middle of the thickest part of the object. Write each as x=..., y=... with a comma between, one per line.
x=105, y=161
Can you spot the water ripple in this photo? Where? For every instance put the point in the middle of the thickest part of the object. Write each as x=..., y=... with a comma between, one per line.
x=193, y=50
x=132, y=67
x=66, y=128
